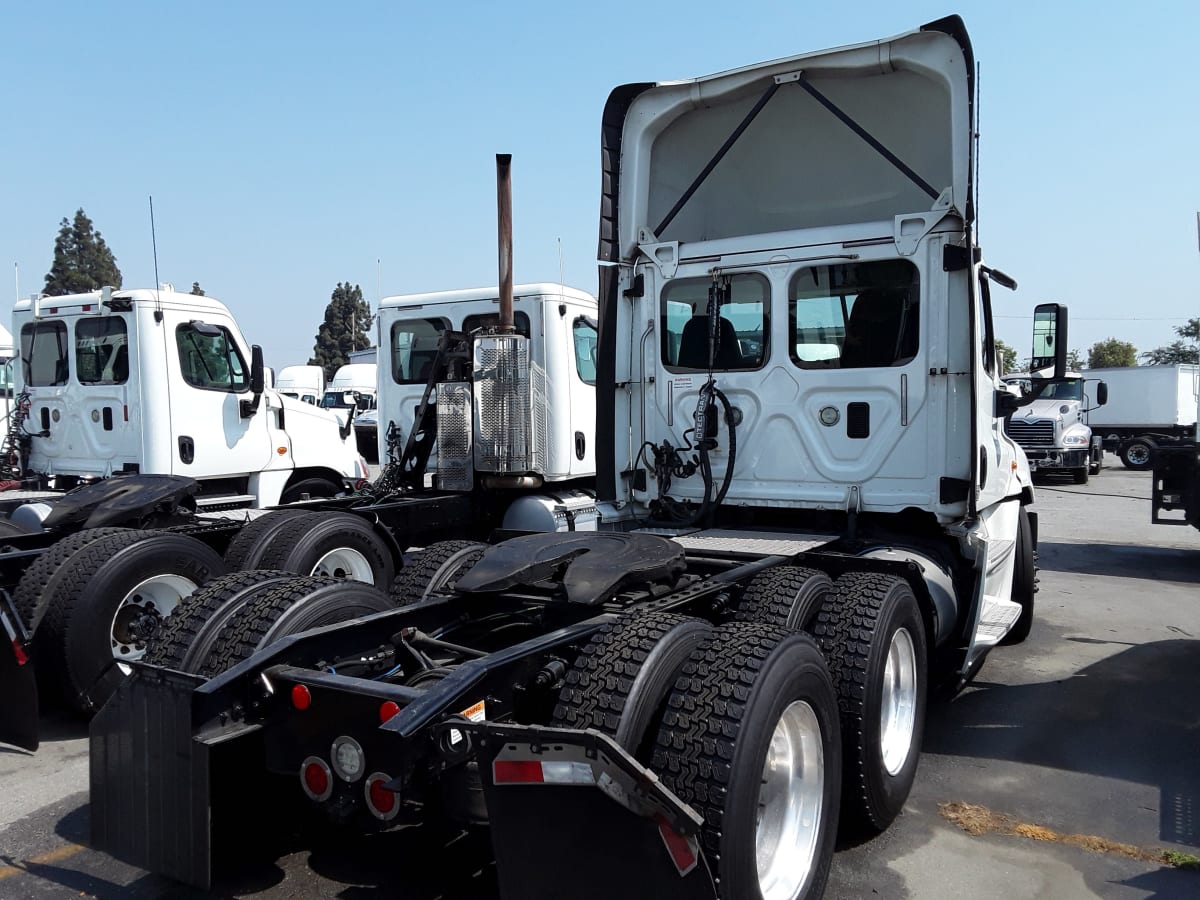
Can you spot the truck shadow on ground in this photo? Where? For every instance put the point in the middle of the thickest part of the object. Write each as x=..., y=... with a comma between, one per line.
x=1121, y=561
x=1134, y=716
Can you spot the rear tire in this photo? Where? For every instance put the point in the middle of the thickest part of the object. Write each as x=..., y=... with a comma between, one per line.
x=37, y=582
x=107, y=599
x=750, y=739
x=620, y=680
x=249, y=544
x=337, y=545
x=437, y=567
x=1080, y=476
x=788, y=596
x=185, y=639
x=873, y=636
x=287, y=609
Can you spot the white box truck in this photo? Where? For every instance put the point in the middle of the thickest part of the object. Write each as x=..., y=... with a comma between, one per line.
x=1148, y=407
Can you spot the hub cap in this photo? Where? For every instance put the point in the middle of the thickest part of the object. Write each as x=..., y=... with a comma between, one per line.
x=1138, y=454
x=898, y=713
x=789, y=803
x=141, y=612
x=347, y=563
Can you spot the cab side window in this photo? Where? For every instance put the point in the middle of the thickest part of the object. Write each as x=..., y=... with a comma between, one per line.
x=209, y=359
x=584, y=335
x=415, y=349
x=102, y=351
x=44, y=357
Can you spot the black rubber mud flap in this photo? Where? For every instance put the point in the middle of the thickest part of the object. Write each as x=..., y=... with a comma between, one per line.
x=18, y=686
x=150, y=777
x=574, y=815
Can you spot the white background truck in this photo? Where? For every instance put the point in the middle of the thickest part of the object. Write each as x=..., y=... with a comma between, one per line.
x=561, y=325
x=810, y=514
x=160, y=382
x=1148, y=407
x=305, y=383
x=1052, y=426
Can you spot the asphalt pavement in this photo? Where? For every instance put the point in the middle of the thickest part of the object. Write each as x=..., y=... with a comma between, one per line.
x=1076, y=754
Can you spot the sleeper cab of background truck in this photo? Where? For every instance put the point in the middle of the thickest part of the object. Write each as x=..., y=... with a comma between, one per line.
x=561, y=323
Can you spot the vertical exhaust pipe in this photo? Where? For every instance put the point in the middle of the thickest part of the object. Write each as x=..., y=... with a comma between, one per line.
x=504, y=227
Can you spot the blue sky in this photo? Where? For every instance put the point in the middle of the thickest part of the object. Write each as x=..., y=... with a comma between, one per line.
x=289, y=146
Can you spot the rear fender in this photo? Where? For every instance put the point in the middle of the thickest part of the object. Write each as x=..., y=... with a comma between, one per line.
x=18, y=687
x=574, y=815
x=153, y=775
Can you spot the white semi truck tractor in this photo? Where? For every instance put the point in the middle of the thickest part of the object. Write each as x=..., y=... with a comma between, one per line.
x=810, y=517
x=1052, y=425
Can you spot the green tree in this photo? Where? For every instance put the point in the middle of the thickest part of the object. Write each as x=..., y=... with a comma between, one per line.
x=196, y=289
x=347, y=320
x=1074, y=361
x=82, y=261
x=1112, y=354
x=1184, y=350
x=1007, y=356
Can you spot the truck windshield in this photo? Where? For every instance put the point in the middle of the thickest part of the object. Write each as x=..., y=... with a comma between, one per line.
x=1062, y=390
x=44, y=353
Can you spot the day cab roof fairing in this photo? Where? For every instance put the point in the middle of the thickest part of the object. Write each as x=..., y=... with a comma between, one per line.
x=856, y=134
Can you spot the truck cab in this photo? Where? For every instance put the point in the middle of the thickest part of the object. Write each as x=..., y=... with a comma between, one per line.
x=560, y=324
x=306, y=383
x=1052, y=425
x=160, y=382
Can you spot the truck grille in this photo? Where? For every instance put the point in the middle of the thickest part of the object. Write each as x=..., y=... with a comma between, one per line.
x=1031, y=432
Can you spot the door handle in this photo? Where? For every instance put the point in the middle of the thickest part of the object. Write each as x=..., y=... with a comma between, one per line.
x=187, y=449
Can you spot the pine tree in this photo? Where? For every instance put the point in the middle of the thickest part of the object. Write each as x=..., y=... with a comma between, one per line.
x=1184, y=350
x=196, y=289
x=347, y=320
x=82, y=260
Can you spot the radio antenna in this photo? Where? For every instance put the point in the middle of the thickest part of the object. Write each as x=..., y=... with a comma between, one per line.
x=158, y=316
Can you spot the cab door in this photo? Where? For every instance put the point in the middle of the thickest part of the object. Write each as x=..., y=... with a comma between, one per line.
x=210, y=376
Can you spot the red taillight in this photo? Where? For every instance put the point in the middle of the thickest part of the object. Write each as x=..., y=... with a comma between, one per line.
x=22, y=659
x=87, y=307
x=387, y=709
x=517, y=771
x=316, y=778
x=301, y=698
x=380, y=801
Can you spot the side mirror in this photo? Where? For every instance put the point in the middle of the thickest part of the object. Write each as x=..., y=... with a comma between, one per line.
x=1048, y=361
x=258, y=378
x=1101, y=393
x=257, y=382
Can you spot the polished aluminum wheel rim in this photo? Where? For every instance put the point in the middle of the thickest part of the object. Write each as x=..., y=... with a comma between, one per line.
x=156, y=597
x=790, y=804
x=898, y=713
x=347, y=563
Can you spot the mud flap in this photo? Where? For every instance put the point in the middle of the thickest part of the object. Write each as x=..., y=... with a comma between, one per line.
x=18, y=686
x=150, y=777
x=573, y=815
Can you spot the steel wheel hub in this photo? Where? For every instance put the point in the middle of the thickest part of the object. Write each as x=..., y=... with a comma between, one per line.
x=790, y=803
x=898, y=710
x=141, y=612
x=347, y=563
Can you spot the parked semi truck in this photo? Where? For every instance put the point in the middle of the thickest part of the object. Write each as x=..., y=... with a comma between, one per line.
x=1052, y=426
x=92, y=590
x=306, y=383
x=1148, y=407
x=159, y=382
x=810, y=516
